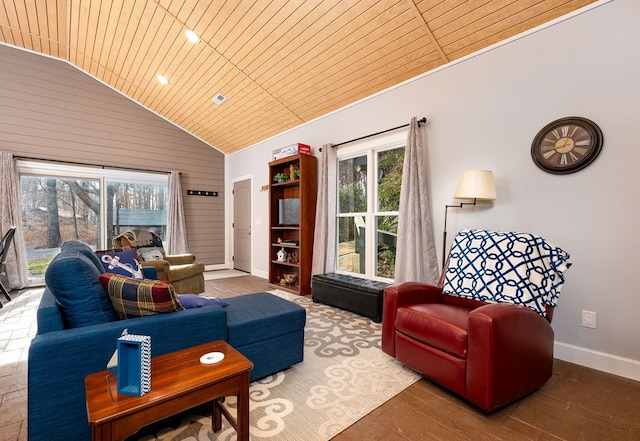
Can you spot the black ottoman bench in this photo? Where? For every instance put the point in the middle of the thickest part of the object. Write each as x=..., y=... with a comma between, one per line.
x=350, y=293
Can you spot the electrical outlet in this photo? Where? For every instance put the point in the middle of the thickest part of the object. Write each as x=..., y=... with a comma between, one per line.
x=588, y=319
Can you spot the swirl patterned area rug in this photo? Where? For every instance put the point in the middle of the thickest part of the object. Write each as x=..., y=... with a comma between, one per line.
x=344, y=376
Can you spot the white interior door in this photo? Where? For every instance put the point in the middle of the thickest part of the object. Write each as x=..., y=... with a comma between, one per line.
x=242, y=225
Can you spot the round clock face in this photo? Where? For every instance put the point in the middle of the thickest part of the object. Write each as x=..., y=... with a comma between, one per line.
x=567, y=145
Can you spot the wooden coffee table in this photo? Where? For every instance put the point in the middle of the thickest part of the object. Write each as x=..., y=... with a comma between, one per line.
x=178, y=382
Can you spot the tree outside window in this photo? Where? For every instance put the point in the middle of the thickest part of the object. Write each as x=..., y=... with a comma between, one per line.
x=388, y=204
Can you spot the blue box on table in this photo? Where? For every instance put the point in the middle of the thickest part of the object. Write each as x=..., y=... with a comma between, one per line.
x=134, y=364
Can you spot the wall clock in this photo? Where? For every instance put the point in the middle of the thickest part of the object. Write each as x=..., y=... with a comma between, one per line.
x=567, y=145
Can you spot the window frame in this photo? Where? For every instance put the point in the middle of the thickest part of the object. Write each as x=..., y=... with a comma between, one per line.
x=369, y=147
x=102, y=174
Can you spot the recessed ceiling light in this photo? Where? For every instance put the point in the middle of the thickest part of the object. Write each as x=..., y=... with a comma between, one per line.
x=162, y=79
x=219, y=98
x=192, y=36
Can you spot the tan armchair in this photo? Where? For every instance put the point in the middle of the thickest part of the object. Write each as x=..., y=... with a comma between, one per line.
x=181, y=270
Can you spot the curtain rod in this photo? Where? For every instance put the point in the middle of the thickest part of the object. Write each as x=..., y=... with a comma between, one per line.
x=26, y=158
x=422, y=121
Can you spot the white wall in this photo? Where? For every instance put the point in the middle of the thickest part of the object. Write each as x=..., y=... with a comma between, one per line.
x=483, y=113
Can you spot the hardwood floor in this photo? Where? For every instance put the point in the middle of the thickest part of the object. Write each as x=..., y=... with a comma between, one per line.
x=235, y=286
x=577, y=403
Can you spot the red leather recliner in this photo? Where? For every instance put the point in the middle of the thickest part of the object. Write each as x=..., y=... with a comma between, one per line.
x=489, y=353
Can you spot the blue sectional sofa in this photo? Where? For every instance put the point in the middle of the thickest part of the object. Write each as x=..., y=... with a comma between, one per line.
x=265, y=328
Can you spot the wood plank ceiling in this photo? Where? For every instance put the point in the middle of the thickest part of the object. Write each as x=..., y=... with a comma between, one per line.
x=279, y=63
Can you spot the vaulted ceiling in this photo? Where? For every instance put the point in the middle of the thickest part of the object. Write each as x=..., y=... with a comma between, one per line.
x=278, y=63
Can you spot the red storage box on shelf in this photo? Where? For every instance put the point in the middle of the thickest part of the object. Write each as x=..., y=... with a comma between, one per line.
x=290, y=150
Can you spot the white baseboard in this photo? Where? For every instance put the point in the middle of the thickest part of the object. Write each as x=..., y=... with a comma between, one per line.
x=613, y=364
x=262, y=274
x=220, y=266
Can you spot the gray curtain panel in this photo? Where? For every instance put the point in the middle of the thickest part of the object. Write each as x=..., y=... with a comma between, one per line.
x=416, y=258
x=176, y=226
x=10, y=216
x=324, y=237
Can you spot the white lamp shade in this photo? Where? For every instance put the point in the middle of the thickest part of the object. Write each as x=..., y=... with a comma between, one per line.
x=476, y=184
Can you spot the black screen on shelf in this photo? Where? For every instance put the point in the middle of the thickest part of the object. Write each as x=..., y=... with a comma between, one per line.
x=289, y=211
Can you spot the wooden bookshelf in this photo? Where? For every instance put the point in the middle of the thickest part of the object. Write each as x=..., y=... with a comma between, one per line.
x=295, y=240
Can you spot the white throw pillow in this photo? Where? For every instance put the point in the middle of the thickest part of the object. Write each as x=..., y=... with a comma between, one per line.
x=151, y=255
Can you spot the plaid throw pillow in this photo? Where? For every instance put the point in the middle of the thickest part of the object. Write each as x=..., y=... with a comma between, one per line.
x=135, y=298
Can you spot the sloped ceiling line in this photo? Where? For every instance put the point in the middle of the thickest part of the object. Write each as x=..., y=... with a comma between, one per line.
x=427, y=30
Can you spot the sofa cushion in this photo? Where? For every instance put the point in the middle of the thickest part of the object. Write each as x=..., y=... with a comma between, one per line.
x=181, y=272
x=84, y=249
x=136, y=298
x=49, y=314
x=196, y=301
x=261, y=316
x=74, y=280
x=441, y=326
x=124, y=263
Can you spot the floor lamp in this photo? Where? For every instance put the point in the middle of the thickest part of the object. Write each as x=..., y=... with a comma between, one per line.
x=473, y=184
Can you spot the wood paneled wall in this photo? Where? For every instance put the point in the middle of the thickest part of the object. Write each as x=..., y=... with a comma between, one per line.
x=51, y=110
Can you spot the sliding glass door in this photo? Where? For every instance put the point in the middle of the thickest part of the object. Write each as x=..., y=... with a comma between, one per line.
x=62, y=202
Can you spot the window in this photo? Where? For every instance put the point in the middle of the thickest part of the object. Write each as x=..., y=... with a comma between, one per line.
x=369, y=178
x=64, y=202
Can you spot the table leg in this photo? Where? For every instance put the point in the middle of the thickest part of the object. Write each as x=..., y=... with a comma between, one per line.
x=243, y=409
x=216, y=415
x=102, y=432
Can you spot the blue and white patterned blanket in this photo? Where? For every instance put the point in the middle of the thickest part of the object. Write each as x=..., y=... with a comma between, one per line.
x=497, y=267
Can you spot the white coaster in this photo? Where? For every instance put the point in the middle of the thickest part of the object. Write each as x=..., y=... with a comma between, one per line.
x=212, y=358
